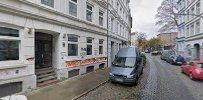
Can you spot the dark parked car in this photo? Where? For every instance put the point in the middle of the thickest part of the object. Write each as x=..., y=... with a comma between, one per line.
x=127, y=66
x=154, y=53
x=177, y=60
x=147, y=51
x=171, y=54
x=164, y=55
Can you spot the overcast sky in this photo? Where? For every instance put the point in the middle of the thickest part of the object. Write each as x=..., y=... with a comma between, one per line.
x=143, y=13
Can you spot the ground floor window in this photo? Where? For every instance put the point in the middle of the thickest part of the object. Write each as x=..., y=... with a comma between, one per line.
x=9, y=50
x=100, y=49
x=72, y=49
x=89, y=49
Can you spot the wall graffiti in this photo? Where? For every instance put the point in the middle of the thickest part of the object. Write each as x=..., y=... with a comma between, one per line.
x=85, y=62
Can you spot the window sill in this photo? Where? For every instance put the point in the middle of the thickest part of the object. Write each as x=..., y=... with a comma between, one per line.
x=12, y=64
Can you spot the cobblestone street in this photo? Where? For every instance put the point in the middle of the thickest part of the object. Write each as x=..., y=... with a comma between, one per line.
x=160, y=81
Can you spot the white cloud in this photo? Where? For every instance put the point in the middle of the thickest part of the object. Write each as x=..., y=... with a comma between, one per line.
x=143, y=13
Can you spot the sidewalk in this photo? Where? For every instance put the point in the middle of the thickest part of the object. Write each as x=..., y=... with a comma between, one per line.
x=70, y=88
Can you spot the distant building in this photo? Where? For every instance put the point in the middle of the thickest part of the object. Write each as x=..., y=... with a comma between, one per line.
x=168, y=40
x=190, y=28
x=134, y=37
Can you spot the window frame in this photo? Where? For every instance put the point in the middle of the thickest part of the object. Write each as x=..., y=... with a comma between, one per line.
x=12, y=39
x=73, y=43
x=89, y=44
x=75, y=4
x=52, y=5
x=101, y=44
x=90, y=11
x=101, y=17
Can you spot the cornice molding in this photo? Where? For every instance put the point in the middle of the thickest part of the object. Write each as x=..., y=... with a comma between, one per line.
x=20, y=12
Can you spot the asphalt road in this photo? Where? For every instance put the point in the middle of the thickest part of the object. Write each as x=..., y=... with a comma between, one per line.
x=160, y=81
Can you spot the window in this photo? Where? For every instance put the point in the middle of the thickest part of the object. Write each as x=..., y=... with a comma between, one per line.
x=192, y=30
x=89, y=13
x=101, y=18
x=48, y=2
x=72, y=45
x=101, y=46
x=198, y=8
x=197, y=28
x=112, y=24
x=89, y=46
x=123, y=61
x=117, y=27
x=192, y=11
x=73, y=7
x=188, y=31
x=9, y=49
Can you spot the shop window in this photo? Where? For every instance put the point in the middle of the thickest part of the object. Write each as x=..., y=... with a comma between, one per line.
x=72, y=45
x=9, y=48
x=73, y=7
x=48, y=2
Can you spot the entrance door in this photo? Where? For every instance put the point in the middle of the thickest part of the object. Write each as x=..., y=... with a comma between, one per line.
x=43, y=51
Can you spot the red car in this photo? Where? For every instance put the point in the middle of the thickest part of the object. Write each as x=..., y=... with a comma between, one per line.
x=193, y=69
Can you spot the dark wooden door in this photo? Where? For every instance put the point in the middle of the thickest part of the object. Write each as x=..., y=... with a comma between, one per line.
x=43, y=53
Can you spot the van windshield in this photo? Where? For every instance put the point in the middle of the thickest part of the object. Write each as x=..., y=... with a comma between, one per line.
x=124, y=62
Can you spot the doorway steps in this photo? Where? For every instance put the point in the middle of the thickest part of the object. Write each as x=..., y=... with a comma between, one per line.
x=45, y=76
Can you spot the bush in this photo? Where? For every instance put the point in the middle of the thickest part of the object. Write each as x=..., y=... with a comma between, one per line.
x=144, y=59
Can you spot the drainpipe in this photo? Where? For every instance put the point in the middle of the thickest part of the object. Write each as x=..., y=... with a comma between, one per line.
x=107, y=33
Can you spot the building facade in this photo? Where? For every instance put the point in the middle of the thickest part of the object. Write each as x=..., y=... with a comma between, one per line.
x=134, y=39
x=192, y=28
x=119, y=26
x=168, y=40
x=180, y=41
x=42, y=41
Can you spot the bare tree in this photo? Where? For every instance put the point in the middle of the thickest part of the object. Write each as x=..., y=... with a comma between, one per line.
x=166, y=15
x=142, y=40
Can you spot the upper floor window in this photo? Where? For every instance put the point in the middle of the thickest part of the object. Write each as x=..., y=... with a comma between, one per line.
x=73, y=7
x=198, y=8
x=197, y=27
x=48, y=2
x=9, y=48
x=89, y=13
x=112, y=25
x=101, y=18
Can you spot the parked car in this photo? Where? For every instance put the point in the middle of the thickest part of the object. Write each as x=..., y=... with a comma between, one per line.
x=154, y=53
x=147, y=51
x=177, y=60
x=171, y=54
x=164, y=55
x=194, y=69
x=127, y=66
